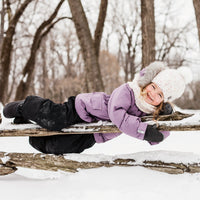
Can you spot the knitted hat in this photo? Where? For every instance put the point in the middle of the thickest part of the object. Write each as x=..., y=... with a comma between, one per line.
x=172, y=82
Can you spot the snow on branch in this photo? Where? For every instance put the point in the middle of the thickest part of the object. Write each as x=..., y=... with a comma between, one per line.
x=175, y=122
x=163, y=161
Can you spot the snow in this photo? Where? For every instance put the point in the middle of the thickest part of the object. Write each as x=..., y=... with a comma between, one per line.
x=106, y=183
x=5, y=159
x=193, y=120
x=139, y=157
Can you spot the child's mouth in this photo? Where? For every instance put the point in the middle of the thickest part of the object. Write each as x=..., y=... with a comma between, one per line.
x=149, y=97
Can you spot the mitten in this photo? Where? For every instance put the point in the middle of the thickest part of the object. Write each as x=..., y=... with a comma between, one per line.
x=166, y=109
x=152, y=134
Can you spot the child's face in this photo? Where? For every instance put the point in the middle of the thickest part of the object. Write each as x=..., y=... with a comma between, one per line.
x=154, y=95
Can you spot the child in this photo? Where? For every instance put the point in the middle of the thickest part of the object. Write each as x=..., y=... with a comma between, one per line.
x=146, y=94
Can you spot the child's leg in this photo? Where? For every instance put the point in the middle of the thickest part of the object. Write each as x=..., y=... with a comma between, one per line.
x=45, y=112
x=61, y=144
x=54, y=117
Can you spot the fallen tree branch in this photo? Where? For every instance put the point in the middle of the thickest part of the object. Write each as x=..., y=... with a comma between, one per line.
x=173, y=117
x=10, y=161
x=100, y=127
x=90, y=129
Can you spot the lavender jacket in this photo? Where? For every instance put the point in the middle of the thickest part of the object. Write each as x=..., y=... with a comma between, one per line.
x=119, y=108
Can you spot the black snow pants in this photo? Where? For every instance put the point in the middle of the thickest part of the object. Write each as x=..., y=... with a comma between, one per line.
x=54, y=117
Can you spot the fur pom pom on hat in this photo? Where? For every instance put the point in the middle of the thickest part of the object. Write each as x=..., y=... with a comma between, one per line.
x=172, y=82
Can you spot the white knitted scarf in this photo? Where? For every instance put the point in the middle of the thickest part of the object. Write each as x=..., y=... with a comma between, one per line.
x=139, y=99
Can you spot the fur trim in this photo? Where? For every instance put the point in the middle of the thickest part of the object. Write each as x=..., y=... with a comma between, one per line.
x=139, y=100
x=150, y=72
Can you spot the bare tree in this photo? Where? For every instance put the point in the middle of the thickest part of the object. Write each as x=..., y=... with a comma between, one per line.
x=171, y=40
x=2, y=12
x=126, y=23
x=27, y=75
x=132, y=44
x=89, y=46
x=110, y=71
x=44, y=69
x=100, y=25
x=148, y=32
x=5, y=57
x=196, y=4
x=173, y=44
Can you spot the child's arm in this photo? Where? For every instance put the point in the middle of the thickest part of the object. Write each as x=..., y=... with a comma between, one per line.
x=118, y=106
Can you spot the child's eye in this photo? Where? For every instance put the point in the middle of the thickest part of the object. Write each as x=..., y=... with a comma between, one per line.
x=160, y=96
x=153, y=86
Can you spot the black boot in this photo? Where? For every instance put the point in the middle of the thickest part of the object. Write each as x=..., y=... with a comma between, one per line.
x=13, y=110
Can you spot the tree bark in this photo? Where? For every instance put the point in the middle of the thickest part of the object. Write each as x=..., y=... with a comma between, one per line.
x=5, y=57
x=10, y=161
x=28, y=71
x=93, y=76
x=148, y=32
x=84, y=129
x=2, y=24
x=91, y=128
x=196, y=4
x=100, y=25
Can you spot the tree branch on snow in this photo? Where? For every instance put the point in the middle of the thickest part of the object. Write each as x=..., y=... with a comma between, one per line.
x=10, y=161
x=159, y=161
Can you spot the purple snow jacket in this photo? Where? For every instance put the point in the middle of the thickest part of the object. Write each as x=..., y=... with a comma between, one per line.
x=119, y=108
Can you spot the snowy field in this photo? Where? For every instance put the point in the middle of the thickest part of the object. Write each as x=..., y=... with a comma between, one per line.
x=106, y=183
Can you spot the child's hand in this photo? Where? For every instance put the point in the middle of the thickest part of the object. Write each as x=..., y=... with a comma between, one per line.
x=152, y=134
x=167, y=109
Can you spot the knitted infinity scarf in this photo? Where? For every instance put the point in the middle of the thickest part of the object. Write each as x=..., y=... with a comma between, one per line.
x=139, y=99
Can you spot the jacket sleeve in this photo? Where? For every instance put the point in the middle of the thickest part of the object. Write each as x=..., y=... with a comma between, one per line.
x=119, y=103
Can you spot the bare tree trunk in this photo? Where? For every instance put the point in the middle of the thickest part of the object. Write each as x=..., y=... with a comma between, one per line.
x=2, y=24
x=5, y=57
x=44, y=71
x=148, y=32
x=130, y=55
x=93, y=76
x=196, y=4
x=13, y=77
x=24, y=85
x=100, y=25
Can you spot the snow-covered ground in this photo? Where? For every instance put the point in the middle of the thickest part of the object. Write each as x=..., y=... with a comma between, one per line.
x=106, y=183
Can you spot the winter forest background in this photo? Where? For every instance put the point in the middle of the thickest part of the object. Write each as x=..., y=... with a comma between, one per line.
x=49, y=48
x=59, y=48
